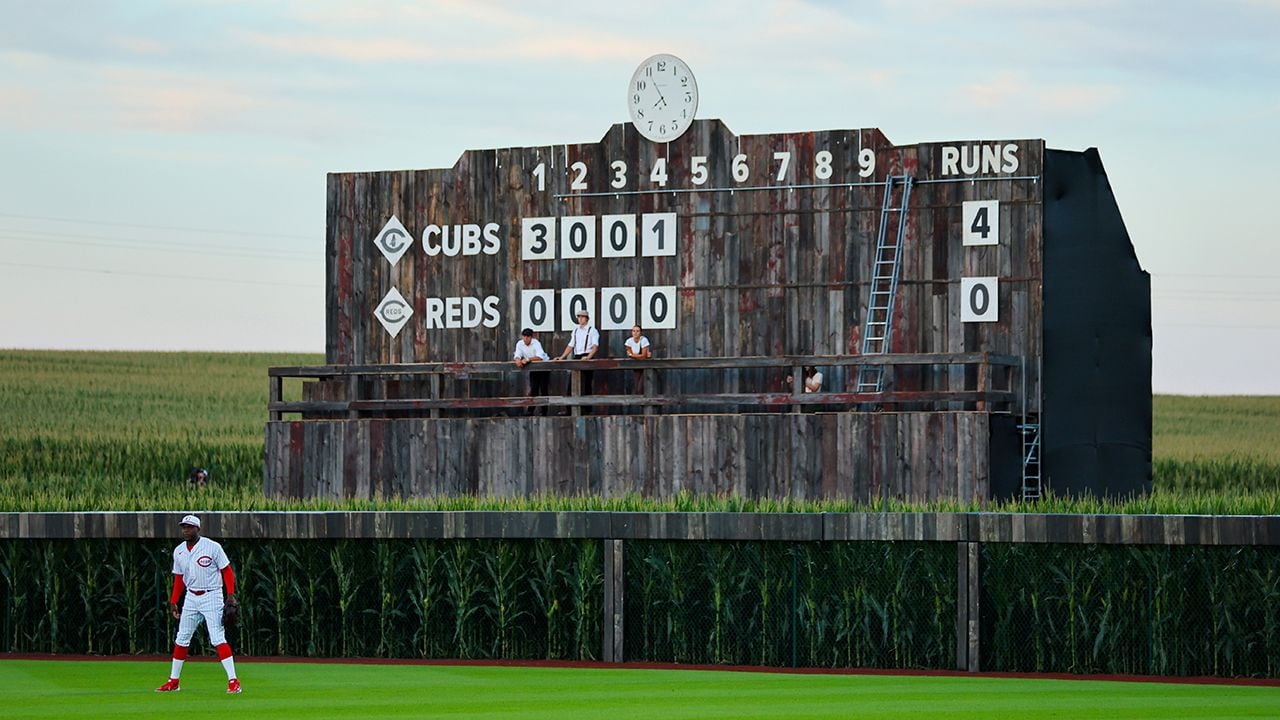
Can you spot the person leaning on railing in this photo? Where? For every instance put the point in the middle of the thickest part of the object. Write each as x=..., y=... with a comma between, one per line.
x=583, y=344
x=529, y=350
x=812, y=379
x=638, y=349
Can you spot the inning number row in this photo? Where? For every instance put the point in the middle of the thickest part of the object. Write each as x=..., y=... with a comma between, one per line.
x=699, y=170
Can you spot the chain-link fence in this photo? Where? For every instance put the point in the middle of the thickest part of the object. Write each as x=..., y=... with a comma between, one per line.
x=1143, y=609
x=791, y=604
x=1162, y=610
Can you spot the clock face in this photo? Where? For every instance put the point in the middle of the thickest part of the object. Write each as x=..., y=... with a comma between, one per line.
x=662, y=96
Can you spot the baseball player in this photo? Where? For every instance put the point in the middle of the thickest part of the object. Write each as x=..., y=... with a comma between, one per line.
x=202, y=570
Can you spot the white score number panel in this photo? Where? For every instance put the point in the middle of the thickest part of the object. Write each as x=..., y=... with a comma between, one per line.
x=980, y=296
x=576, y=236
x=650, y=307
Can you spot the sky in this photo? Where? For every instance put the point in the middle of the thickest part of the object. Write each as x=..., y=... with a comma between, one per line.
x=162, y=164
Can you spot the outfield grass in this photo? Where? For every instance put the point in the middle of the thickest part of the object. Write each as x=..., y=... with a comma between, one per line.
x=123, y=689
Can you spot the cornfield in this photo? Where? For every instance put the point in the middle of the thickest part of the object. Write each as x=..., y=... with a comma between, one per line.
x=118, y=431
x=1045, y=608
x=407, y=599
x=884, y=605
x=1154, y=610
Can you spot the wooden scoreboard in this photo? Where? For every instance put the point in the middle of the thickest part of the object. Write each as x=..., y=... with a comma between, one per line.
x=828, y=247
x=716, y=245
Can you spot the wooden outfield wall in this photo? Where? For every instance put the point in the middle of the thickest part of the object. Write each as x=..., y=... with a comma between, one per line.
x=1172, y=530
x=968, y=532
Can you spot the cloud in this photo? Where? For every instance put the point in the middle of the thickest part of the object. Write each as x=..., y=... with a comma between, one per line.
x=1077, y=98
x=18, y=107
x=1014, y=90
x=173, y=102
x=447, y=31
x=996, y=92
x=138, y=45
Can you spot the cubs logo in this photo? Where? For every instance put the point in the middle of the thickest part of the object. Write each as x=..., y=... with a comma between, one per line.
x=204, y=561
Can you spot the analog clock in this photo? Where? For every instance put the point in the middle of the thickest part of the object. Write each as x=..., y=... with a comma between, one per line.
x=662, y=96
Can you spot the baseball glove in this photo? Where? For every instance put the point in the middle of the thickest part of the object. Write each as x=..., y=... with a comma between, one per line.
x=230, y=614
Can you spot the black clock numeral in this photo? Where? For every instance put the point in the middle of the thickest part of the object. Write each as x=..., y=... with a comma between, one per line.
x=636, y=98
x=639, y=113
x=662, y=65
x=640, y=85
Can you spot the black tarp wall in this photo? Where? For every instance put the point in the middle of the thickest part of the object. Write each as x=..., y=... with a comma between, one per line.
x=1096, y=417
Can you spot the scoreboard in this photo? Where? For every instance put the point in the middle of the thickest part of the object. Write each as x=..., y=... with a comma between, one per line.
x=721, y=245
x=717, y=245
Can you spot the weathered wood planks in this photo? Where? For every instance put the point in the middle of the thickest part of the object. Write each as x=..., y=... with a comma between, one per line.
x=966, y=529
x=773, y=455
x=780, y=269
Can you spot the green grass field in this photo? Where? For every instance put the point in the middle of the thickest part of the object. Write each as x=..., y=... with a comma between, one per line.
x=117, y=431
x=123, y=689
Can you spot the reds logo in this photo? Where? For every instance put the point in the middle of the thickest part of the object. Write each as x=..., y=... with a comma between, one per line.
x=204, y=561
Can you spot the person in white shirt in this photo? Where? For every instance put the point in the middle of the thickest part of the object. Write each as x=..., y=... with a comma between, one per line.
x=812, y=379
x=529, y=350
x=583, y=344
x=638, y=349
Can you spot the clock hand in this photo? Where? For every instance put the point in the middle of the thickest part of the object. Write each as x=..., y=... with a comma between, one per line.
x=661, y=98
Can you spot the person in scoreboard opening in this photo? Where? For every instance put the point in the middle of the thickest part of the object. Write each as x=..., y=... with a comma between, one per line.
x=638, y=349
x=529, y=350
x=201, y=571
x=812, y=379
x=583, y=344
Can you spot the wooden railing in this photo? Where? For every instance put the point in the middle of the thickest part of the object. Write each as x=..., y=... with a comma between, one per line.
x=366, y=385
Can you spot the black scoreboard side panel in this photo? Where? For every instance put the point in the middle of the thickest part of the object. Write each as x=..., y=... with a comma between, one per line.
x=1096, y=416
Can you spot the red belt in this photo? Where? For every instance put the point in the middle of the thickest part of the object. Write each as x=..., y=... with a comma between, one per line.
x=198, y=593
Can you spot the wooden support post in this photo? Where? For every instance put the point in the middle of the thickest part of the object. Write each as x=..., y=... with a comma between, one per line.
x=575, y=390
x=353, y=394
x=434, y=379
x=797, y=385
x=275, y=391
x=614, y=602
x=968, y=606
x=651, y=378
x=984, y=380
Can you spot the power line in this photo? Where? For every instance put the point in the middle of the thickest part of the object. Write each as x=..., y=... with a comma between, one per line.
x=160, y=247
x=1218, y=277
x=157, y=275
x=1218, y=297
x=1219, y=327
x=241, y=233
x=40, y=234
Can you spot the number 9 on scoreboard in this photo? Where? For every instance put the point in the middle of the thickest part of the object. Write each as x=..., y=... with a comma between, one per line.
x=979, y=299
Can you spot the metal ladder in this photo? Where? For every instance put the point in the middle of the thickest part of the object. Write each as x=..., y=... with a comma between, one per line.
x=885, y=271
x=1031, y=482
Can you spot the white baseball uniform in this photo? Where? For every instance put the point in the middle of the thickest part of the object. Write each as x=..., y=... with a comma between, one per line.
x=201, y=571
